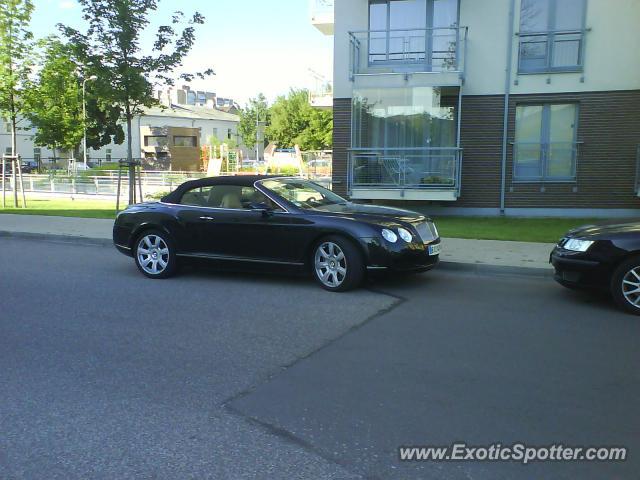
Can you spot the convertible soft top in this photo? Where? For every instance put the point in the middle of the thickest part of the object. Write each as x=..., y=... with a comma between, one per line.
x=241, y=180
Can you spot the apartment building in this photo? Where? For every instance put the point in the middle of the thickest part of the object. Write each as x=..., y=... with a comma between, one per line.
x=185, y=96
x=527, y=107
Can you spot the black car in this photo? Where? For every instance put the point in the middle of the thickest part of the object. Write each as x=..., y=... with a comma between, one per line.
x=283, y=222
x=605, y=257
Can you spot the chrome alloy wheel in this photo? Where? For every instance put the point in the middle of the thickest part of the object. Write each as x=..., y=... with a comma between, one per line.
x=631, y=287
x=153, y=254
x=330, y=264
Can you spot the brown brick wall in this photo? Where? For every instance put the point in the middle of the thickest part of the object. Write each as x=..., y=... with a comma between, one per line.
x=481, y=140
x=341, y=143
x=608, y=126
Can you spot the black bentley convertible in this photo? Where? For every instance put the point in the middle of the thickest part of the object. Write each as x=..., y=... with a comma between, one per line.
x=276, y=221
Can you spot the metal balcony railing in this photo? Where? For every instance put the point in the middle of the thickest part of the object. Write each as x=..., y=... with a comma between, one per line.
x=322, y=15
x=551, y=51
x=545, y=162
x=322, y=95
x=405, y=51
x=321, y=7
x=400, y=168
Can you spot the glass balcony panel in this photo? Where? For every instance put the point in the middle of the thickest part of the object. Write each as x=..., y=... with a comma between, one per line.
x=419, y=50
x=528, y=161
x=566, y=50
x=561, y=161
x=405, y=167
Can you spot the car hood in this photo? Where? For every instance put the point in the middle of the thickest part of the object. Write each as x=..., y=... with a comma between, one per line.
x=378, y=215
x=605, y=229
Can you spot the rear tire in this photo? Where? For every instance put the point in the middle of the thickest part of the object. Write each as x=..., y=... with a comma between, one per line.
x=625, y=285
x=337, y=264
x=155, y=254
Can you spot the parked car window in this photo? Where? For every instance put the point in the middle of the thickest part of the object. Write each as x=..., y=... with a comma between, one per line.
x=226, y=196
x=304, y=194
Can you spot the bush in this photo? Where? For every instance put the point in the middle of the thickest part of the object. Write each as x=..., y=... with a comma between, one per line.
x=156, y=195
x=287, y=170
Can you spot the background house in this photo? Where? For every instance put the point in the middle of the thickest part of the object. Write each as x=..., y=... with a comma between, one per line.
x=203, y=118
x=481, y=107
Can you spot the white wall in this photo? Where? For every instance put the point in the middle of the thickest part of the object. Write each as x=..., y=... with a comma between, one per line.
x=350, y=15
x=612, y=60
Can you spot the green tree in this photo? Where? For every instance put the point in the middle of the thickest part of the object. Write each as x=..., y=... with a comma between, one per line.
x=295, y=121
x=111, y=49
x=256, y=109
x=15, y=60
x=53, y=100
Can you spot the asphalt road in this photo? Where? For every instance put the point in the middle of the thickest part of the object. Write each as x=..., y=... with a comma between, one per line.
x=105, y=374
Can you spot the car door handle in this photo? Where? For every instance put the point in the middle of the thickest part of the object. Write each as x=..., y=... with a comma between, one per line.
x=206, y=218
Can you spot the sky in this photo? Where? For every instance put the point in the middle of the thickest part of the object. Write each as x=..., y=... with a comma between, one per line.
x=253, y=45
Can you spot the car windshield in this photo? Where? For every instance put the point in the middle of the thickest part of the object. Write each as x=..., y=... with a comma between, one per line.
x=304, y=194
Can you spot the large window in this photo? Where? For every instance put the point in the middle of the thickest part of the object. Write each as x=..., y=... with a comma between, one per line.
x=404, y=136
x=413, y=31
x=158, y=141
x=545, y=146
x=419, y=117
x=551, y=35
x=184, y=141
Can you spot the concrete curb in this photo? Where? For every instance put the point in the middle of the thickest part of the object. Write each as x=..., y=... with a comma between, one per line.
x=51, y=237
x=486, y=269
x=476, y=268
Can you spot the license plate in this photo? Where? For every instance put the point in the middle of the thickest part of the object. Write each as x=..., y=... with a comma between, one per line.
x=435, y=249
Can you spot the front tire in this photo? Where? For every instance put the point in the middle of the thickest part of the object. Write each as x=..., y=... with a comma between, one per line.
x=625, y=285
x=155, y=254
x=337, y=264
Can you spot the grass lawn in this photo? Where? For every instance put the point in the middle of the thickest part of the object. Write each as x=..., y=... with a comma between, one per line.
x=486, y=228
x=64, y=207
x=518, y=229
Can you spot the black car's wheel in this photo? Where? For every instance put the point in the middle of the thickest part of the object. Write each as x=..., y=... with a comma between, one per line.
x=337, y=264
x=625, y=285
x=155, y=254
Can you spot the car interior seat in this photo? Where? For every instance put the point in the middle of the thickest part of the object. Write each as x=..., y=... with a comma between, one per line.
x=231, y=200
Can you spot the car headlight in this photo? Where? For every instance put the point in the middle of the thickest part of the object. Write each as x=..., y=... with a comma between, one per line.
x=435, y=230
x=389, y=236
x=577, y=245
x=405, y=235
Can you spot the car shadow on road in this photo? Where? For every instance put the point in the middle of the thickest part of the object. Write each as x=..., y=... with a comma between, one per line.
x=210, y=270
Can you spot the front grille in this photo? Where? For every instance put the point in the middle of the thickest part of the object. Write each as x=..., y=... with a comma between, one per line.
x=426, y=230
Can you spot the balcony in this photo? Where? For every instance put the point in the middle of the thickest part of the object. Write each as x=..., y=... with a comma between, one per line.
x=322, y=15
x=439, y=51
x=554, y=51
x=405, y=173
x=322, y=96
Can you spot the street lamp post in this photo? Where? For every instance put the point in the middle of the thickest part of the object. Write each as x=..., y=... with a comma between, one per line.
x=257, y=136
x=92, y=78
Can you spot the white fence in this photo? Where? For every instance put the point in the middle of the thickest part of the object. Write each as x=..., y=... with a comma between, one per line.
x=104, y=184
x=153, y=182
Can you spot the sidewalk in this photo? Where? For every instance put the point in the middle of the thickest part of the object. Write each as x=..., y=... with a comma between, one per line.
x=479, y=255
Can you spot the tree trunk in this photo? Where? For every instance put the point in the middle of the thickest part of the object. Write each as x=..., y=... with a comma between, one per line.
x=14, y=160
x=14, y=137
x=132, y=168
